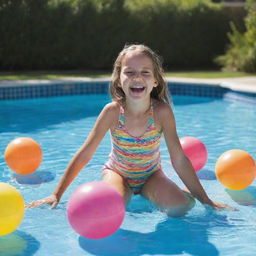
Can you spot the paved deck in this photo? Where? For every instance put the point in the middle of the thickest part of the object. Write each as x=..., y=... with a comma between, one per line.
x=243, y=84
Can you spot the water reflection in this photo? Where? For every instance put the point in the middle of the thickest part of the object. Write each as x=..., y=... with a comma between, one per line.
x=18, y=244
x=245, y=197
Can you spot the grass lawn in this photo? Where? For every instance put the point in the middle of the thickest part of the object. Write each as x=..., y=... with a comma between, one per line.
x=51, y=74
x=100, y=74
x=207, y=74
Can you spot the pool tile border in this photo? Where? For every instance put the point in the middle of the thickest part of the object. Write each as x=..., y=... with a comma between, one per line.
x=64, y=88
x=51, y=90
x=206, y=90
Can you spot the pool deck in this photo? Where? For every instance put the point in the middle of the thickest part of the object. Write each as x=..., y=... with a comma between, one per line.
x=242, y=84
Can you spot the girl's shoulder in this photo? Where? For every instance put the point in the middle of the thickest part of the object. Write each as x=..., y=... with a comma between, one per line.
x=112, y=108
x=112, y=111
x=161, y=108
x=162, y=112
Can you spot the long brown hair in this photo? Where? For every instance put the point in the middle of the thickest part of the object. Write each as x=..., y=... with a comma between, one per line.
x=160, y=92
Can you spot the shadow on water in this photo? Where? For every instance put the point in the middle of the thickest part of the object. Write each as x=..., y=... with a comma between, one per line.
x=18, y=244
x=32, y=114
x=174, y=236
x=35, y=178
x=246, y=197
x=205, y=174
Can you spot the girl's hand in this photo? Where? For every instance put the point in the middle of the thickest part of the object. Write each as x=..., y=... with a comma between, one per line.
x=51, y=200
x=220, y=206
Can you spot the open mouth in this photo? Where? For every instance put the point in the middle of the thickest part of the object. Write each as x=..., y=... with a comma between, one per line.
x=137, y=89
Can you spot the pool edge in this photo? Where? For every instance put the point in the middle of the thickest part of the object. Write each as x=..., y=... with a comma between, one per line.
x=219, y=88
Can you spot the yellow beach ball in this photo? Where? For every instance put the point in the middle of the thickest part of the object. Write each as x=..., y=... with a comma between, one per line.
x=11, y=208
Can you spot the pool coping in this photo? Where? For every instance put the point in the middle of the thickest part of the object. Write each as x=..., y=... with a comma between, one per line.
x=245, y=84
x=239, y=84
x=217, y=87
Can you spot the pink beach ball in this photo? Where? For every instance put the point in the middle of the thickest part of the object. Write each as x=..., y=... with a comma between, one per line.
x=95, y=210
x=196, y=151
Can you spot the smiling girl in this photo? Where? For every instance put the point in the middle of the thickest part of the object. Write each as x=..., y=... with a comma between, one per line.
x=138, y=117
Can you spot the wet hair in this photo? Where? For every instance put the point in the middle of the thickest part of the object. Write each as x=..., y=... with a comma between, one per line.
x=160, y=92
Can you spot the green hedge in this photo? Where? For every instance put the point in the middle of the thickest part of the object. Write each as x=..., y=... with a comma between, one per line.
x=88, y=34
x=241, y=54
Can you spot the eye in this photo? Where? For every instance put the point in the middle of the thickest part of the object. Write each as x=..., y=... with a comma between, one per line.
x=145, y=72
x=129, y=73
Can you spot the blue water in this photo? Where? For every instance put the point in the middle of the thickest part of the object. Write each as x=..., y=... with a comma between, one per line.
x=61, y=125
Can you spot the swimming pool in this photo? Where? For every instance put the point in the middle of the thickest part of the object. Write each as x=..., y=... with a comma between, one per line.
x=61, y=124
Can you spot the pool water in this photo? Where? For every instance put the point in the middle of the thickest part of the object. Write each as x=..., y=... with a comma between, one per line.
x=61, y=125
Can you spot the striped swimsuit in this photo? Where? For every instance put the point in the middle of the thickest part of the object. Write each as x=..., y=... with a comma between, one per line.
x=135, y=158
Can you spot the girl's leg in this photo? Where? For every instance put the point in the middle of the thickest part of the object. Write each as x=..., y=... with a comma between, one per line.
x=167, y=195
x=118, y=182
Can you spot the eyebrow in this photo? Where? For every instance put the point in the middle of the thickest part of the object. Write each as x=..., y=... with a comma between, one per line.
x=127, y=67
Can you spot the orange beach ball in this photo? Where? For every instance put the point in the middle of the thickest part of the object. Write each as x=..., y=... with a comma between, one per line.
x=23, y=155
x=235, y=169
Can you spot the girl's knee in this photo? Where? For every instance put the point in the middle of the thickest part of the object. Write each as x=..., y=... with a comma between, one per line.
x=191, y=200
x=182, y=208
x=176, y=211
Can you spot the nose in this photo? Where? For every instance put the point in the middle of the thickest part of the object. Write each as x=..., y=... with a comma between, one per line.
x=137, y=76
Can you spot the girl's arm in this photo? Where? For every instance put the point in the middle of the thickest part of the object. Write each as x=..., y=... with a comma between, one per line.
x=181, y=163
x=82, y=156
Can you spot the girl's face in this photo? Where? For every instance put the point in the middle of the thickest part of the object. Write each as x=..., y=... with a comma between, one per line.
x=137, y=76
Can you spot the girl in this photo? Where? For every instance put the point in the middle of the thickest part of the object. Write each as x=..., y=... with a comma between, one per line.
x=138, y=116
